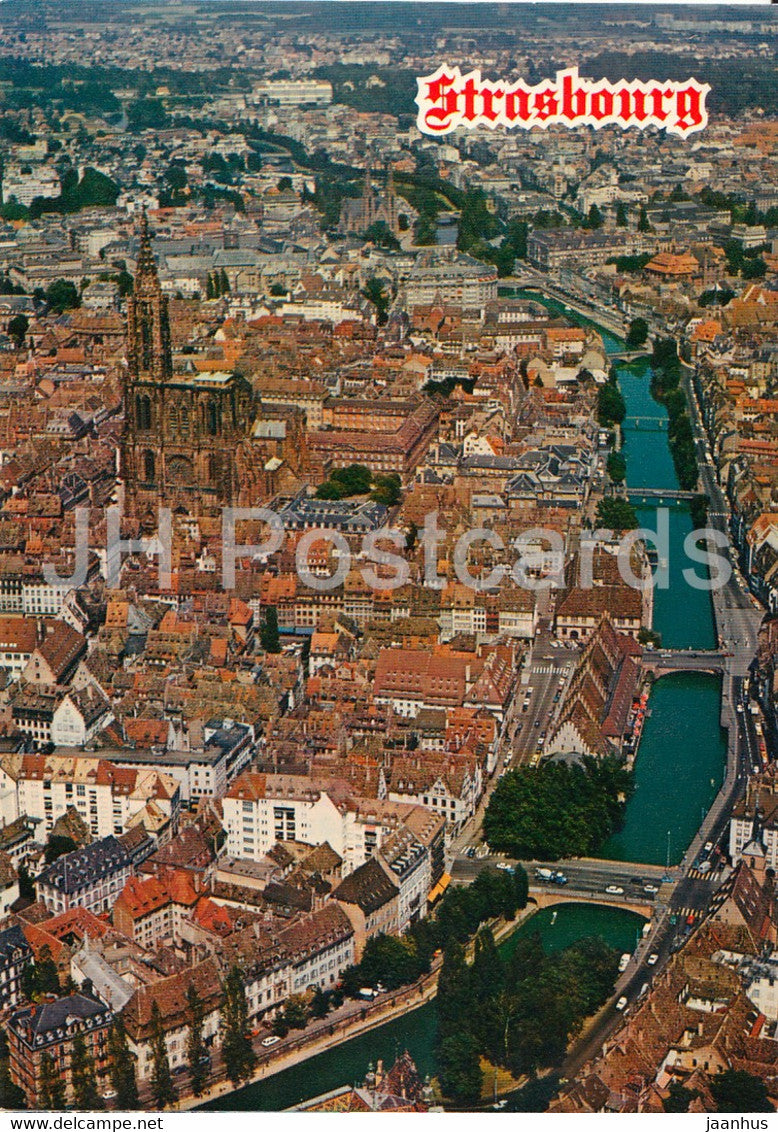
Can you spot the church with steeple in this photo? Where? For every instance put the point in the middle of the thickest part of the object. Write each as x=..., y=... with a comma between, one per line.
x=359, y=214
x=194, y=442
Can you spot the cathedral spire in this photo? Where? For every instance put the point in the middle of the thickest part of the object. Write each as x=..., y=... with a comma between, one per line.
x=146, y=264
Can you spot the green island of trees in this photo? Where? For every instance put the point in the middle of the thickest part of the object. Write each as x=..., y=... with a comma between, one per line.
x=518, y=1013
x=558, y=810
x=666, y=388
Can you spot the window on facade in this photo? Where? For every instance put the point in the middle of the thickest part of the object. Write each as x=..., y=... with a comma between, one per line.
x=148, y=467
x=213, y=417
x=143, y=410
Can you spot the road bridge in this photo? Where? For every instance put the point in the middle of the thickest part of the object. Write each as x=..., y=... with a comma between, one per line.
x=547, y=897
x=664, y=662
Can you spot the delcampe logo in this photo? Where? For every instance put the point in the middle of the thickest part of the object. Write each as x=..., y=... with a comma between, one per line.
x=448, y=99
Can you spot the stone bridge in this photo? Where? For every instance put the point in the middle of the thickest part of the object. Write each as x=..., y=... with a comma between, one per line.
x=564, y=894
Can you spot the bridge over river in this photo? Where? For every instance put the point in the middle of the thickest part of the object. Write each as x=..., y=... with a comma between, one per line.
x=633, y=887
x=658, y=494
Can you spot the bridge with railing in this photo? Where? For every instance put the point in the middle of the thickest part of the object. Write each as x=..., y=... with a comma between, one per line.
x=646, y=423
x=657, y=494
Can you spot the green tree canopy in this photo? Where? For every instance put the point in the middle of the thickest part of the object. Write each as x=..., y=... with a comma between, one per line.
x=557, y=810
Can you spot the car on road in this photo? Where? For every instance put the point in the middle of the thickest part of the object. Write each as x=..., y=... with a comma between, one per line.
x=109, y=1095
x=622, y=1002
x=614, y=890
x=650, y=889
x=272, y=1040
x=624, y=961
x=536, y=723
x=652, y=959
x=708, y=846
x=504, y=866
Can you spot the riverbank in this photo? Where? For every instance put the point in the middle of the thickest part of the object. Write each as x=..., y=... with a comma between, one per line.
x=328, y=1033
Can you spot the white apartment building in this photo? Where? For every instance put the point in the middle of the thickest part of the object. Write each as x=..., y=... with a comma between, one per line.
x=107, y=797
x=261, y=809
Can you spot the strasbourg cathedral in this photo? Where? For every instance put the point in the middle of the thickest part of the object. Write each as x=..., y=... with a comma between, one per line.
x=195, y=442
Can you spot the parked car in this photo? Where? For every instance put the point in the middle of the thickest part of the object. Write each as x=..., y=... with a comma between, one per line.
x=614, y=890
x=272, y=1040
x=622, y=1002
x=652, y=959
x=650, y=889
x=504, y=866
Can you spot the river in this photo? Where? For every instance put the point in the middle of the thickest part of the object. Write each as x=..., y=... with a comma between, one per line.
x=678, y=770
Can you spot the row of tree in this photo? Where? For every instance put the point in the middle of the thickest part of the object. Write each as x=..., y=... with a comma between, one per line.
x=666, y=388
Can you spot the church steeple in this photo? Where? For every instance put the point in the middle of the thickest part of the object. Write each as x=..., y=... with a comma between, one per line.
x=149, y=355
x=146, y=264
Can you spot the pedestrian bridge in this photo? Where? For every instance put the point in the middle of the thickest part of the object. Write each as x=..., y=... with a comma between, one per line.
x=657, y=494
x=547, y=897
x=646, y=423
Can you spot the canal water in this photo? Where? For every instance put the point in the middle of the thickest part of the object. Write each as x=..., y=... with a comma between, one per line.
x=678, y=770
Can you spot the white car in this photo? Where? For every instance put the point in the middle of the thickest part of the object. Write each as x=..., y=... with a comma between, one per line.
x=614, y=890
x=621, y=1003
x=651, y=889
x=503, y=865
x=652, y=959
x=270, y=1041
x=708, y=846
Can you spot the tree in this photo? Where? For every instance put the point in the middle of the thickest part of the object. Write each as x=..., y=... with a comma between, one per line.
x=611, y=407
x=375, y=291
x=616, y=514
x=237, y=1050
x=122, y=1066
x=62, y=295
x=17, y=328
x=82, y=1076
x=52, y=1087
x=41, y=976
x=557, y=810
x=637, y=333
x=268, y=634
x=643, y=224
x=57, y=846
x=320, y=1003
x=146, y=114
x=594, y=217
x=224, y=283
x=163, y=1089
x=617, y=467
x=387, y=489
x=26, y=883
x=735, y=1090
x=459, y=1068
x=621, y=214
x=195, y=1047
